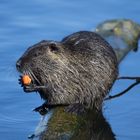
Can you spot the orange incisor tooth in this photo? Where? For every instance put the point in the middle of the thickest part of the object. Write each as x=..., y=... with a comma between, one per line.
x=26, y=80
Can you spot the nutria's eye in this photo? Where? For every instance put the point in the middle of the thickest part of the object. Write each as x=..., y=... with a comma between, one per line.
x=53, y=47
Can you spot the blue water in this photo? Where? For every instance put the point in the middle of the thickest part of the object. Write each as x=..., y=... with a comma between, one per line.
x=23, y=23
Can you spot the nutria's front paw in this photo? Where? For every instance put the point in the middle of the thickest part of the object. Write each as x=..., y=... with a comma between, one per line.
x=41, y=109
x=76, y=108
x=27, y=88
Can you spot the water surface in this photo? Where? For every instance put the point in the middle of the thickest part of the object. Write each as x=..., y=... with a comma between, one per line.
x=23, y=23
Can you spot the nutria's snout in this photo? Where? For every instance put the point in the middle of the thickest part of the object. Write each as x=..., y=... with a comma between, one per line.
x=26, y=79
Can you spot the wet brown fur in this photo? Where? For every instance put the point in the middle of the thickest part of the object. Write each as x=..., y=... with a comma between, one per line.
x=79, y=69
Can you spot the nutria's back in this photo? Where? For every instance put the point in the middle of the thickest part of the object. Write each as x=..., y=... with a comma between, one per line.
x=79, y=69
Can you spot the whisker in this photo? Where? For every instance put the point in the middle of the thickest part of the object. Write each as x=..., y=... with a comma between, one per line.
x=34, y=77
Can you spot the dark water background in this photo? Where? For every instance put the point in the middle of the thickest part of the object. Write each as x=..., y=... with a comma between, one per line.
x=23, y=23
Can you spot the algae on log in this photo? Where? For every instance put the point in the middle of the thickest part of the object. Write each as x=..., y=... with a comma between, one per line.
x=123, y=36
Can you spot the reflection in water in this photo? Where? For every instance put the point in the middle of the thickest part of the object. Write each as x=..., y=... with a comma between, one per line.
x=96, y=128
x=92, y=126
x=102, y=129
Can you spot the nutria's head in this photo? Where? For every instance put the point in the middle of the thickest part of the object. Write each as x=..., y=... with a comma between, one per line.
x=44, y=64
x=72, y=71
x=36, y=58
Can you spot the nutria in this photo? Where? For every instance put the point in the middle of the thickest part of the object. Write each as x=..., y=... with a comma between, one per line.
x=77, y=72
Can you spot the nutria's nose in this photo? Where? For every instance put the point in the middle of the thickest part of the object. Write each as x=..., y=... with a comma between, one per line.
x=18, y=64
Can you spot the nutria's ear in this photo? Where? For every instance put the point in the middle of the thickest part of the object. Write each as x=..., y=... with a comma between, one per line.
x=53, y=47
